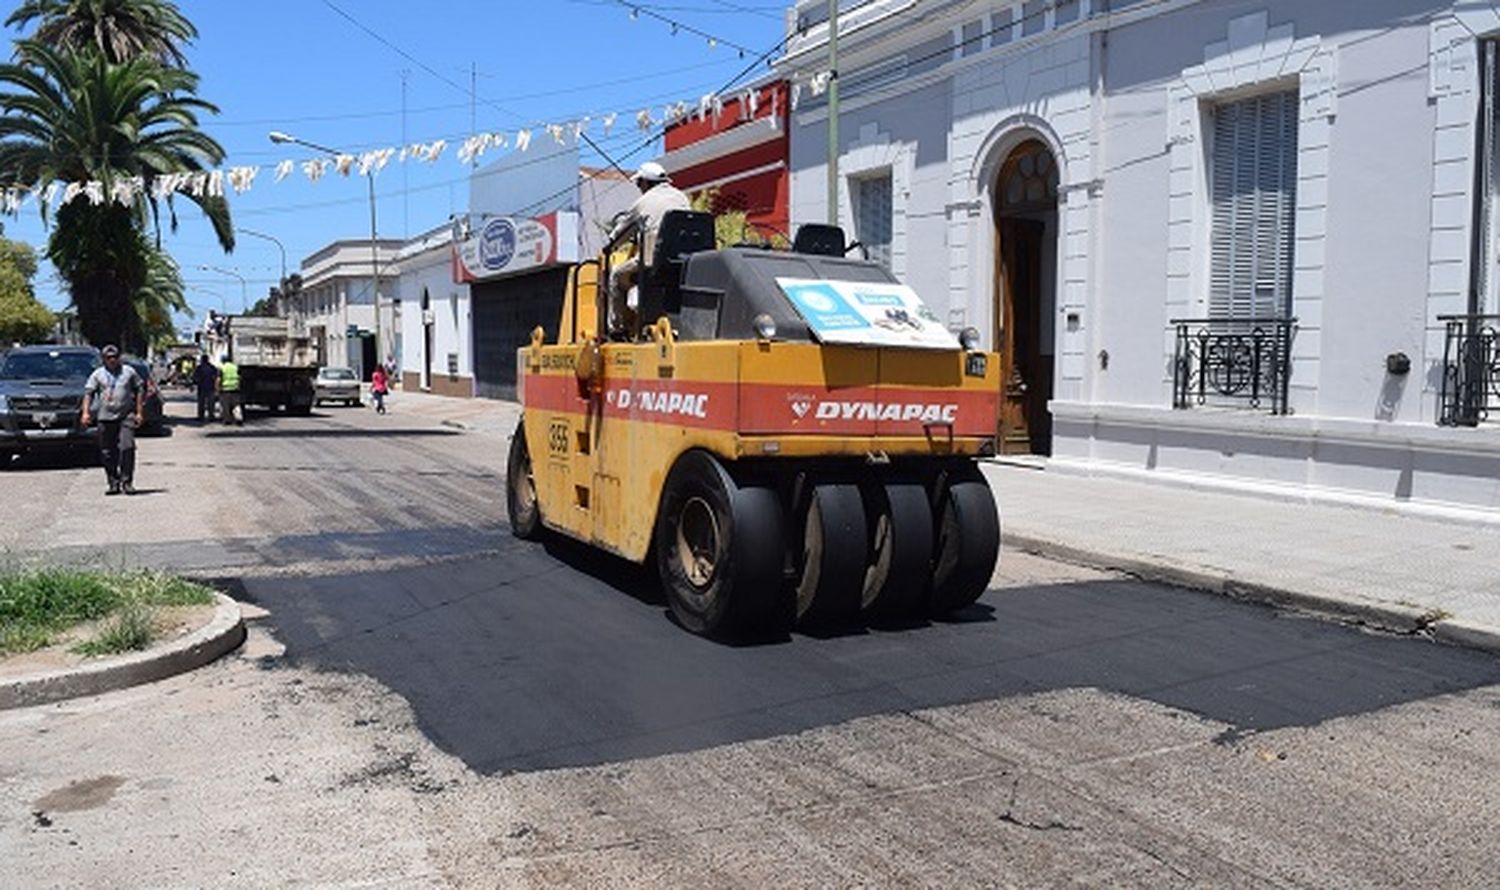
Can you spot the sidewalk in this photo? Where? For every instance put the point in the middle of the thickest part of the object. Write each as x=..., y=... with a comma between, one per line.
x=475, y=415
x=1391, y=571
x=1383, y=569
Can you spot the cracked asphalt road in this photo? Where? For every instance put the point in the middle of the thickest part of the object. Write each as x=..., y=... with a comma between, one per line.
x=426, y=702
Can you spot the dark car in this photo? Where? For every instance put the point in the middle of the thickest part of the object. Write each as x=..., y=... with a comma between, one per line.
x=153, y=414
x=41, y=394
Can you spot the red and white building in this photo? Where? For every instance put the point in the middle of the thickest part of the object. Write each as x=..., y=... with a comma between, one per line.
x=741, y=149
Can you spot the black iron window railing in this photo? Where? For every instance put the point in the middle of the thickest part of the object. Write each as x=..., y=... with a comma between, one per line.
x=1236, y=362
x=1471, y=369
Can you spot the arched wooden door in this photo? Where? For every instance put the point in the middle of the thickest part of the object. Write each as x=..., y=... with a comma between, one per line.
x=1026, y=226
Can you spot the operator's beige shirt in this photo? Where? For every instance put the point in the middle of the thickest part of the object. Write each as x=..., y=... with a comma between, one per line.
x=650, y=208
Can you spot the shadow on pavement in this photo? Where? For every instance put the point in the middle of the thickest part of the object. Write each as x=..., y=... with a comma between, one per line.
x=531, y=660
x=260, y=432
x=71, y=458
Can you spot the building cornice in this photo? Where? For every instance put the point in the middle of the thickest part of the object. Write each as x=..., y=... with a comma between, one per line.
x=737, y=139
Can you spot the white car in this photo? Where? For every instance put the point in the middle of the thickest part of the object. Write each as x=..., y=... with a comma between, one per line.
x=336, y=385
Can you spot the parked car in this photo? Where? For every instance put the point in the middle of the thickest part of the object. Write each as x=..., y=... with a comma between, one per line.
x=336, y=385
x=41, y=396
x=153, y=413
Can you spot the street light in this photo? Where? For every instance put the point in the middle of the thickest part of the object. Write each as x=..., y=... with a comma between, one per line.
x=281, y=138
x=274, y=240
x=243, y=283
x=212, y=293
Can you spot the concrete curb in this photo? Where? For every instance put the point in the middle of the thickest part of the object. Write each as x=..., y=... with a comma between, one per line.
x=224, y=633
x=1380, y=616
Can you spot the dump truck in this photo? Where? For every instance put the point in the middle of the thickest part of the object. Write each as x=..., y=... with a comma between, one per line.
x=789, y=435
x=277, y=365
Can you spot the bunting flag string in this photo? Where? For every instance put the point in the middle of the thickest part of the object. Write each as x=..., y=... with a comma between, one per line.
x=240, y=179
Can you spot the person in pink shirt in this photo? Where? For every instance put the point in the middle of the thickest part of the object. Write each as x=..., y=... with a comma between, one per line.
x=379, y=385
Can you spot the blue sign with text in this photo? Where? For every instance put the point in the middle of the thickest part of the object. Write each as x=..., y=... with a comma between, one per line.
x=823, y=307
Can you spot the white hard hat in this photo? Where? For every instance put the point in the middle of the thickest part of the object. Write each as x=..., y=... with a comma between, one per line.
x=651, y=172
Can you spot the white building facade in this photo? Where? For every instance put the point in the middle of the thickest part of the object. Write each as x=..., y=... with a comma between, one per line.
x=1222, y=243
x=436, y=353
x=351, y=323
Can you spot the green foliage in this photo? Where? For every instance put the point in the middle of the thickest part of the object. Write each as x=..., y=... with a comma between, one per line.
x=128, y=630
x=22, y=318
x=119, y=30
x=732, y=225
x=156, y=299
x=37, y=604
x=19, y=255
x=97, y=93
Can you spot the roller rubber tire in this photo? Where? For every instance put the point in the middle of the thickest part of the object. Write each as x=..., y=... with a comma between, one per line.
x=733, y=584
x=900, y=541
x=966, y=542
x=525, y=513
x=831, y=555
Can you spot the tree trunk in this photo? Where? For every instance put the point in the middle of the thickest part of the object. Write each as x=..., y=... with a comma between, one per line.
x=104, y=312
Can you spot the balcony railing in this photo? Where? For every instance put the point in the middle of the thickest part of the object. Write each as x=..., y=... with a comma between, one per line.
x=1234, y=362
x=1471, y=369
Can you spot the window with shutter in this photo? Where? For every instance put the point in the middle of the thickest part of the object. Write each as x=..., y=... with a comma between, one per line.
x=1253, y=194
x=872, y=216
x=1482, y=291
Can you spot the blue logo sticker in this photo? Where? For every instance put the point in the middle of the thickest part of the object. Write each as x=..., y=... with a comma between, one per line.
x=497, y=244
x=823, y=308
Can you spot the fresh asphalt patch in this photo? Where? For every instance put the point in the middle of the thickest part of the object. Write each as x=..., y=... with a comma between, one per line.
x=536, y=658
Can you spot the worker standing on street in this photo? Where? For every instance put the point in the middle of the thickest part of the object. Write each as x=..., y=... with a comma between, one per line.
x=120, y=394
x=206, y=380
x=229, y=392
x=658, y=197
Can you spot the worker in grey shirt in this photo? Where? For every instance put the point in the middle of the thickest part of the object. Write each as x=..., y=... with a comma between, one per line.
x=115, y=395
x=658, y=196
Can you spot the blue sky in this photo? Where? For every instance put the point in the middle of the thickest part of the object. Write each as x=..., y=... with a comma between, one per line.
x=302, y=67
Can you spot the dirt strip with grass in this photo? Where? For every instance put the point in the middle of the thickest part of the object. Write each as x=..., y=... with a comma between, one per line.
x=89, y=612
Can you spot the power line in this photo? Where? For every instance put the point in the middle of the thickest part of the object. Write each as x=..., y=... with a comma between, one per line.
x=652, y=139
x=638, y=9
x=411, y=58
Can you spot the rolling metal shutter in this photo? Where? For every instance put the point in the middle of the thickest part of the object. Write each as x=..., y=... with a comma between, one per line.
x=1253, y=192
x=504, y=314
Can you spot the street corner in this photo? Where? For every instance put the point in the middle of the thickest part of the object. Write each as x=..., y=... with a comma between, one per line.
x=57, y=674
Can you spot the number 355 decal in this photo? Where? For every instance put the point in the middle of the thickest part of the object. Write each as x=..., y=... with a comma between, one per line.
x=557, y=437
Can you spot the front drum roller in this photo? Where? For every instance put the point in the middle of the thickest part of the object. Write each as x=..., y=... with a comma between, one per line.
x=719, y=548
x=521, y=503
x=900, y=541
x=832, y=555
x=967, y=544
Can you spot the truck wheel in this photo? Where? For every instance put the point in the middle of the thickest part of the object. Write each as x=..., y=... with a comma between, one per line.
x=299, y=410
x=900, y=536
x=719, y=548
x=520, y=490
x=967, y=545
x=832, y=556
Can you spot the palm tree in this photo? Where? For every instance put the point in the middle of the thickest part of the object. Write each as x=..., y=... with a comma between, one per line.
x=119, y=29
x=158, y=297
x=77, y=118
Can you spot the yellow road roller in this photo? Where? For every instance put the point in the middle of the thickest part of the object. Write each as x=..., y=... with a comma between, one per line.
x=789, y=435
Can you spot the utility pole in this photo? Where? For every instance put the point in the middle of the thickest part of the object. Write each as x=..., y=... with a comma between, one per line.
x=833, y=112
x=405, y=190
x=381, y=343
x=473, y=98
